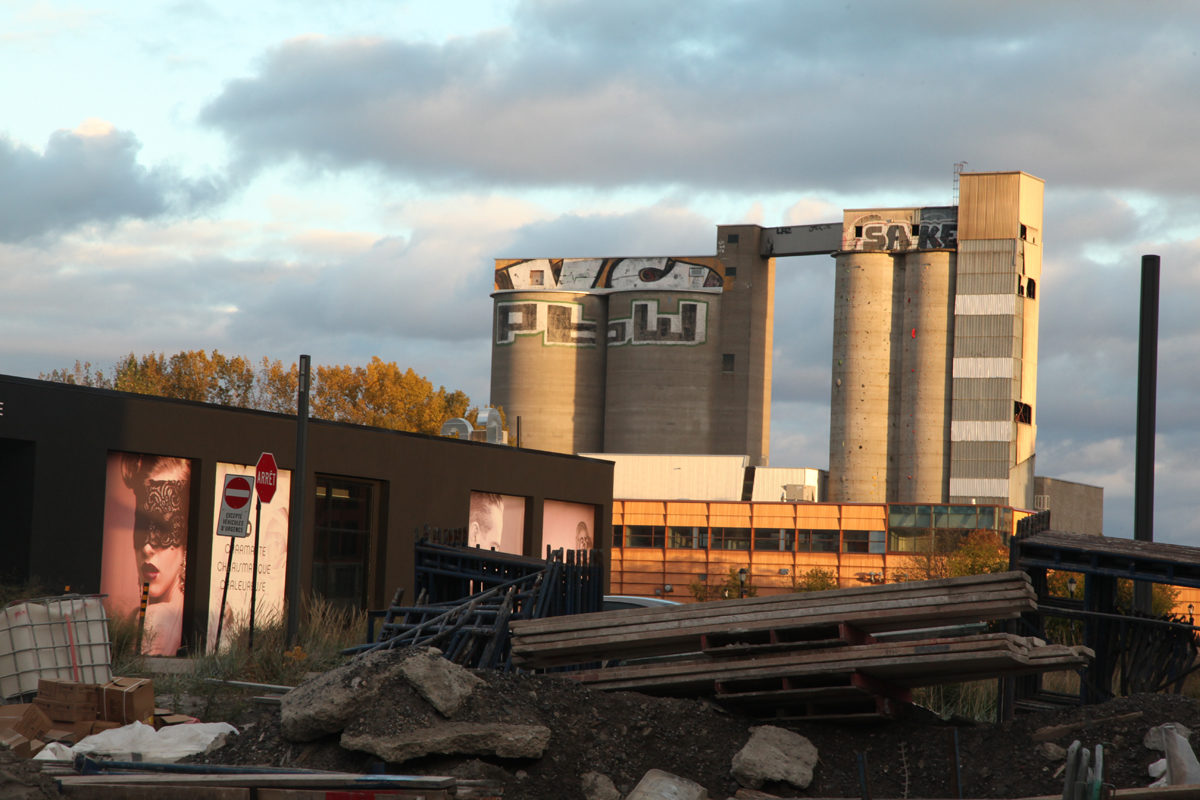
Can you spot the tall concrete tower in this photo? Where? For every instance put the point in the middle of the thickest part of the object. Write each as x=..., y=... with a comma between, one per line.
x=935, y=348
x=993, y=430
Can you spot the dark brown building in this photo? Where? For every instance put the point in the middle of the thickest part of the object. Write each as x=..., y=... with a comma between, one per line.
x=77, y=470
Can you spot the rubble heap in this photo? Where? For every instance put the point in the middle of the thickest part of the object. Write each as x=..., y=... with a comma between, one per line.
x=421, y=715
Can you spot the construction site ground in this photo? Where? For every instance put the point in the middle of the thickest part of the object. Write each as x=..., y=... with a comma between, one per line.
x=623, y=735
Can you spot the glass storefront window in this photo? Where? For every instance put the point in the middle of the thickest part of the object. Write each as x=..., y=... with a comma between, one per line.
x=955, y=516
x=902, y=516
x=987, y=517
x=644, y=536
x=693, y=538
x=341, y=540
x=824, y=541
x=778, y=539
x=907, y=540
x=864, y=541
x=731, y=538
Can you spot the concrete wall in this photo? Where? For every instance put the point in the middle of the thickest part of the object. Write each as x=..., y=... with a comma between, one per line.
x=1074, y=507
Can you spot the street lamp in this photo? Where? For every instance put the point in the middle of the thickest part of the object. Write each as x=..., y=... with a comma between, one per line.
x=742, y=575
x=1071, y=584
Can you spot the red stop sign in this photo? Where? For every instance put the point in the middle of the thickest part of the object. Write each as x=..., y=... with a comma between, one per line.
x=237, y=492
x=265, y=476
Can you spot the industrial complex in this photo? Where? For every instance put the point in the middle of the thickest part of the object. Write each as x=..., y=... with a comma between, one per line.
x=663, y=365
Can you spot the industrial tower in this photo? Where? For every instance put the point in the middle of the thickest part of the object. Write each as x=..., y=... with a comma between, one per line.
x=934, y=368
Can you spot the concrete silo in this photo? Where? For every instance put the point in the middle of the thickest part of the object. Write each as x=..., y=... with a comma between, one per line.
x=662, y=364
x=861, y=402
x=926, y=354
x=548, y=358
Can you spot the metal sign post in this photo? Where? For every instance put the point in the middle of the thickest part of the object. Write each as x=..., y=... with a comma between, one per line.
x=266, y=474
x=235, y=516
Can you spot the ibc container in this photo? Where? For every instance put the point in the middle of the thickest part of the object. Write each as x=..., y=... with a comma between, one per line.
x=55, y=637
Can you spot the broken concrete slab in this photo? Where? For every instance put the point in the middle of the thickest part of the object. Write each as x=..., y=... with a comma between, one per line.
x=324, y=704
x=444, y=684
x=597, y=786
x=659, y=785
x=775, y=754
x=454, y=738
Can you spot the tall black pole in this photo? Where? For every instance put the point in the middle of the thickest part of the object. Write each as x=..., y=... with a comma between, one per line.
x=254, y=573
x=299, y=496
x=1143, y=481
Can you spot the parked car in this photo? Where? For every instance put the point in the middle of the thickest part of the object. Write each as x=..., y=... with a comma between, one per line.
x=615, y=602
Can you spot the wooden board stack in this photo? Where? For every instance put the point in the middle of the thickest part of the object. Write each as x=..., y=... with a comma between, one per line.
x=841, y=653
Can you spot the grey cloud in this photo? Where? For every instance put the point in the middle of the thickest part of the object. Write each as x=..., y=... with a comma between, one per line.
x=753, y=96
x=88, y=178
x=655, y=231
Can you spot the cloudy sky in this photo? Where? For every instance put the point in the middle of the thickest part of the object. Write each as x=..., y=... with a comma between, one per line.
x=335, y=178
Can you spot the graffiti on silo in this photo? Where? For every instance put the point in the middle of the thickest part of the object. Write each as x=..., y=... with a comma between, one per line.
x=901, y=230
x=603, y=275
x=939, y=228
x=647, y=325
x=560, y=323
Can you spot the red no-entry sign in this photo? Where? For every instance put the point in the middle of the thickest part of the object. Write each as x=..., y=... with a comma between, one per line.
x=237, y=492
x=235, y=506
x=266, y=474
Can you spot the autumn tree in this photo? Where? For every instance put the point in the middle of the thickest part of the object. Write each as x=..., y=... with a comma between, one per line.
x=81, y=374
x=379, y=394
x=382, y=396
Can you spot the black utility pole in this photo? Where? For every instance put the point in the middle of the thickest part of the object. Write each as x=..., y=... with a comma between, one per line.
x=296, y=516
x=1143, y=481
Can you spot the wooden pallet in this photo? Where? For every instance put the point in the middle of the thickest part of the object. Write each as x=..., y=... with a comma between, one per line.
x=804, y=619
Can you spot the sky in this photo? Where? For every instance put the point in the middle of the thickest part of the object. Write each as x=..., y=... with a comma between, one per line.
x=274, y=178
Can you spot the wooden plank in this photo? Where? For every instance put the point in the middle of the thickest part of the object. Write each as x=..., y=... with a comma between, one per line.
x=845, y=655
x=304, y=780
x=354, y=794
x=660, y=640
x=871, y=617
x=881, y=592
x=889, y=614
x=924, y=663
x=121, y=791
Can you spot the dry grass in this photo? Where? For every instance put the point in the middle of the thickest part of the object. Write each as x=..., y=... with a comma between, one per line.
x=974, y=700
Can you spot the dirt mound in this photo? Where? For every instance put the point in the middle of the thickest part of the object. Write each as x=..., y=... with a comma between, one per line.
x=623, y=734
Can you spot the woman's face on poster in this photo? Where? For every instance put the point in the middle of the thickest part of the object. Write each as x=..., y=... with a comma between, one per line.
x=158, y=532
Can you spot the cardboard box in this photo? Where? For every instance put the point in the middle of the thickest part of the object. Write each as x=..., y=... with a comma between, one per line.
x=68, y=701
x=20, y=745
x=82, y=730
x=129, y=700
x=60, y=711
x=163, y=720
x=101, y=725
x=67, y=736
x=26, y=719
x=67, y=691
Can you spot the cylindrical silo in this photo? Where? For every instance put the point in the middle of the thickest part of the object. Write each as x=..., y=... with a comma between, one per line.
x=548, y=368
x=926, y=360
x=662, y=363
x=860, y=408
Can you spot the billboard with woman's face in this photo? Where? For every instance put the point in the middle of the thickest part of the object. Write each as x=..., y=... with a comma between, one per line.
x=568, y=526
x=146, y=508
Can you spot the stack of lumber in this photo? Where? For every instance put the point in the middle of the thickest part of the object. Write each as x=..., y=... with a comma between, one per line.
x=803, y=655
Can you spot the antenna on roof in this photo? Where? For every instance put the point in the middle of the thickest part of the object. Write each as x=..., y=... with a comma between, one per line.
x=958, y=167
